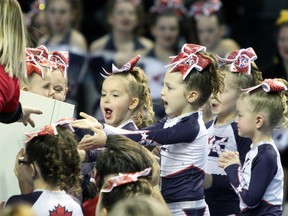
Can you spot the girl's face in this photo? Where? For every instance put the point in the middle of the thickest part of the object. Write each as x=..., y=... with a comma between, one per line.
x=115, y=101
x=174, y=95
x=225, y=107
x=282, y=42
x=59, y=85
x=166, y=31
x=123, y=17
x=40, y=86
x=59, y=15
x=246, y=119
x=209, y=31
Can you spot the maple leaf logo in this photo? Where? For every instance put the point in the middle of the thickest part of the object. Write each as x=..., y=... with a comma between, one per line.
x=60, y=211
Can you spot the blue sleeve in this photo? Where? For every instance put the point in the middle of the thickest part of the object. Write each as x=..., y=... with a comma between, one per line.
x=185, y=131
x=243, y=144
x=264, y=168
x=220, y=181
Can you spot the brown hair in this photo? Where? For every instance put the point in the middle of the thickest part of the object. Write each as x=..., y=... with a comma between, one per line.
x=208, y=81
x=57, y=159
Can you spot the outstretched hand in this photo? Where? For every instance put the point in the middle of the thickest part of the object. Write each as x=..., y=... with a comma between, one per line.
x=228, y=158
x=26, y=118
x=87, y=122
x=98, y=140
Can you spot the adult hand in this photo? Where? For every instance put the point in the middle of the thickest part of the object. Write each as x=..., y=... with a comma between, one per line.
x=26, y=112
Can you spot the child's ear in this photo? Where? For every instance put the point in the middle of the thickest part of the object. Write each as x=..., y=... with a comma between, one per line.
x=33, y=170
x=260, y=120
x=192, y=96
x=66, y=91
x=134, y=103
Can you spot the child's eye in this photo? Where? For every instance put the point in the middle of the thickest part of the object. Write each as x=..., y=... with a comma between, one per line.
x=47, y=86
x=115, y=95
x=103, y=94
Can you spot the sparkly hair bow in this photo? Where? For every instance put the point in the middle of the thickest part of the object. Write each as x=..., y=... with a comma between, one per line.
x=122, y=179
x=240, y=60
x=269, y=85
x=188, y=59
x=163, y=5
x=61, y=60
x=125, y=68
x=35, y=58
x=205, y=8
x=50, y=129
x=283, y=18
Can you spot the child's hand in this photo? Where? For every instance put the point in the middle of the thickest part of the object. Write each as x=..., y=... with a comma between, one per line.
x=98, y=140
x=228, y=158
x=87, y=122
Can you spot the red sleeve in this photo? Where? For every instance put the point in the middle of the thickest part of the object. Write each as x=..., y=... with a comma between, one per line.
x=9, y=92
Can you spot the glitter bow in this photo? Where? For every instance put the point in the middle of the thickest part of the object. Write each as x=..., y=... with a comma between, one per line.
x=269, y=85
x=35, y=58
x=240, y=60
x=125, y=68
x=188, y=59
x=161, y=6
x=61, y=60
x=283, y=18
x=122, y=179
x=50, y=129
x=205, y=8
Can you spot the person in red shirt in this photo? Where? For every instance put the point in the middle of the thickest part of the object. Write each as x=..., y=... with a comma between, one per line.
x=12, y=68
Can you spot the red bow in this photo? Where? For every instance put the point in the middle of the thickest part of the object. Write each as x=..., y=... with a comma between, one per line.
x=240, y=60
x=188, y=59
x=61, y=60
x=35, y=58
x=123, y=179
x=269, y=85
x=205, y=8
x=125, y=68
x=50, y=129
x=161, y=6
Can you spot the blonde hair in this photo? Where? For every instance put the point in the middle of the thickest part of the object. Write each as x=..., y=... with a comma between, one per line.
x=138, y=86
x=241, y=80
x=12, y=38
x=208, y=81
x=273, y=104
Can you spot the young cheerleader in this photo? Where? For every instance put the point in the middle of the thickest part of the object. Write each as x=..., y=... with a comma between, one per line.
x=187, y=87
x=50, y=164
x=222, y=131
x=38, y=72
x=59, y=74
x=12, y=56
x=125, y=100
x=259, y=181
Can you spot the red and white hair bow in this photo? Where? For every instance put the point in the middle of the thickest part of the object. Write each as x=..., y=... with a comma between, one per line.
x=161, y=6
x=125, y=68
x=188, y=59
x=205, y=8
x=240, y=60
x=50, y=129
x=123, y=179
x=35, y=58
x=269, y=85
x=61, y=60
